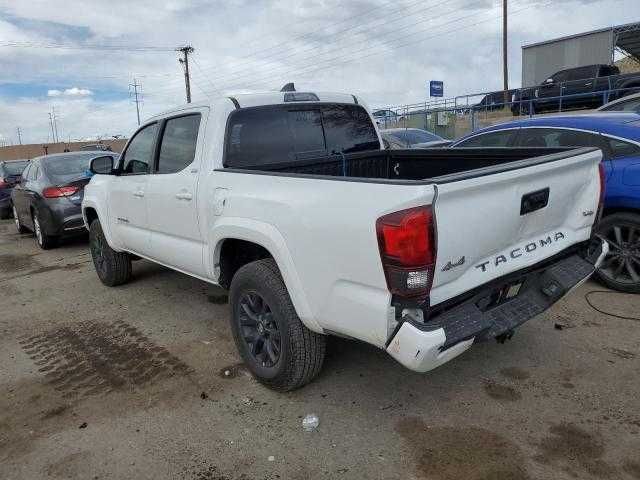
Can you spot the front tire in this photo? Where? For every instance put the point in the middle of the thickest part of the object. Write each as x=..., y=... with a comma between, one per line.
x=43, y=240
x=275, y=345
x=113, y=268
x=620, y=270
x=6, y=213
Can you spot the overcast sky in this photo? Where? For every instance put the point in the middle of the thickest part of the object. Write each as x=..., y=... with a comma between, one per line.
x=384, y=51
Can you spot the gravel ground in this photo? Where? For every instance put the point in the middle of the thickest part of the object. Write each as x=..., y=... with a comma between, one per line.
x=143, y=381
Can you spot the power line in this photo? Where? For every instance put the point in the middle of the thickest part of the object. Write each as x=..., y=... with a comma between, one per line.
x=85, y=46
x=319, y=63
x=197, y=64
x=238, y=75
x=354, y=30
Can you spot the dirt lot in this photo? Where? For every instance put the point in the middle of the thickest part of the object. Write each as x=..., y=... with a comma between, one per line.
x=129, y=383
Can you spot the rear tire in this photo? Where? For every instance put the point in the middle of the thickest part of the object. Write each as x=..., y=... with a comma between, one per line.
x=284, y=354
x=16, y=219
x=113, y=268
x=620, y=270
x=43, y=240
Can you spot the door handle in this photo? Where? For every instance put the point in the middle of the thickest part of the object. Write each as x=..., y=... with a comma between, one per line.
x=138, y=193
x=184, y=196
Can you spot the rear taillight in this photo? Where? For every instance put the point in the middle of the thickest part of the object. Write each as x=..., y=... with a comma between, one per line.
x=56, y=192
x=3, y=183
x=408, y=250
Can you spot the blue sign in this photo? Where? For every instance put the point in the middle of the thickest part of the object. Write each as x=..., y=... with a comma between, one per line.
x=436, y=88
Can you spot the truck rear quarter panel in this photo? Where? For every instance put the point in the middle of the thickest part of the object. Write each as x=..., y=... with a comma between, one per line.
x=322, y=235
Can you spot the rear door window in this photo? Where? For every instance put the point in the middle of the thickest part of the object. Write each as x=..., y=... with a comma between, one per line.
x=581, y=73
x=502, y=138
x=178, y=147
x=280, y=134
x=556, y=137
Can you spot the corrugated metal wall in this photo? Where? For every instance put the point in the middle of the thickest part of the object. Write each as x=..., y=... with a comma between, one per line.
x=542, y=60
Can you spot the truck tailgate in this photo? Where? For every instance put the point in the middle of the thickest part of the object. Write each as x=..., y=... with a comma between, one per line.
x=495, y=221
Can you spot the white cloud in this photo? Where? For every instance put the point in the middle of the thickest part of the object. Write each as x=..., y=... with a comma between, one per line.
x=70, y=92
x=77, y=92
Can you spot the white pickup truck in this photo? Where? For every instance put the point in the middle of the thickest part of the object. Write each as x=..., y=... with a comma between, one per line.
x=288, y=200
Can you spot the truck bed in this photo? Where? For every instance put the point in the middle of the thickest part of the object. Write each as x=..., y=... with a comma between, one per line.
x=412, y=165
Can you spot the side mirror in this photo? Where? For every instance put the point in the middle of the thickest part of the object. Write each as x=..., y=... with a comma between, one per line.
x=102, y=165
x=548, y=81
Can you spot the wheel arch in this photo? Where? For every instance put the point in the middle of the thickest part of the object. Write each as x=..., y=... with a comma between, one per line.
x=91, y=212
x=613, y=210
x=254, y=240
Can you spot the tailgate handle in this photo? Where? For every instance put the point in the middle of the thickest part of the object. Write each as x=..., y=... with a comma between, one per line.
x=534, y=201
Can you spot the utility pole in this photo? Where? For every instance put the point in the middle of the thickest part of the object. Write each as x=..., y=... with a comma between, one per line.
x=53, y=136
x=135, y=86
x=186, y=50
x=55, y=124
x=505, y=68
x=19, y=135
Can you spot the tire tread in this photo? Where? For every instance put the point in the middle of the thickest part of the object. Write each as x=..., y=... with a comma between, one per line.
x=307, y=348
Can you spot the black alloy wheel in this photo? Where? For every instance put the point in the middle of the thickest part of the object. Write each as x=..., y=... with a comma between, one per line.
x=620, y=269
x=96, y=246
x=259, y=329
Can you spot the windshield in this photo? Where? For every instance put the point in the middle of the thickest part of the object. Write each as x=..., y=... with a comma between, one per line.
x=15, y=168
x=67, y=167
x=413, y=136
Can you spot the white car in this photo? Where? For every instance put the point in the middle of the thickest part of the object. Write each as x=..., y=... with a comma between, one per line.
x=288, y=200
x=630, y=103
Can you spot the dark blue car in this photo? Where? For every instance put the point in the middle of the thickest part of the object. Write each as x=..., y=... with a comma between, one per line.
x=618, y=136
x=10, y=172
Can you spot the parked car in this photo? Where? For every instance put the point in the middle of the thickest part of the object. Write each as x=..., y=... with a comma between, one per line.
x=10, y=172
x=96, y=147
x=288, y=200
x=630, y=103
x=384, y=118
x=398, y=138
x=618, y=136
x=580, y=87
x=48, y=196
x=495, y=101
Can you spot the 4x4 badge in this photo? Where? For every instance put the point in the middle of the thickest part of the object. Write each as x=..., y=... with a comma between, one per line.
x=451, y=266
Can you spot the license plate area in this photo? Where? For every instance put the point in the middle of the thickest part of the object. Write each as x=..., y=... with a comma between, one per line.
x=500, y=295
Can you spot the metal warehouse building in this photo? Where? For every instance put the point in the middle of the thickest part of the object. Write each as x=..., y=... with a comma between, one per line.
x=540, y=60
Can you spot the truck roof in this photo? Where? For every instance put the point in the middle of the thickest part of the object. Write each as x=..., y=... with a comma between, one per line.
x=244, y=100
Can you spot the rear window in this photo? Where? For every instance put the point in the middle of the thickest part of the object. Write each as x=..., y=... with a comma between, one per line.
x=67, y=167
x=14, y=168
x=279, y=134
